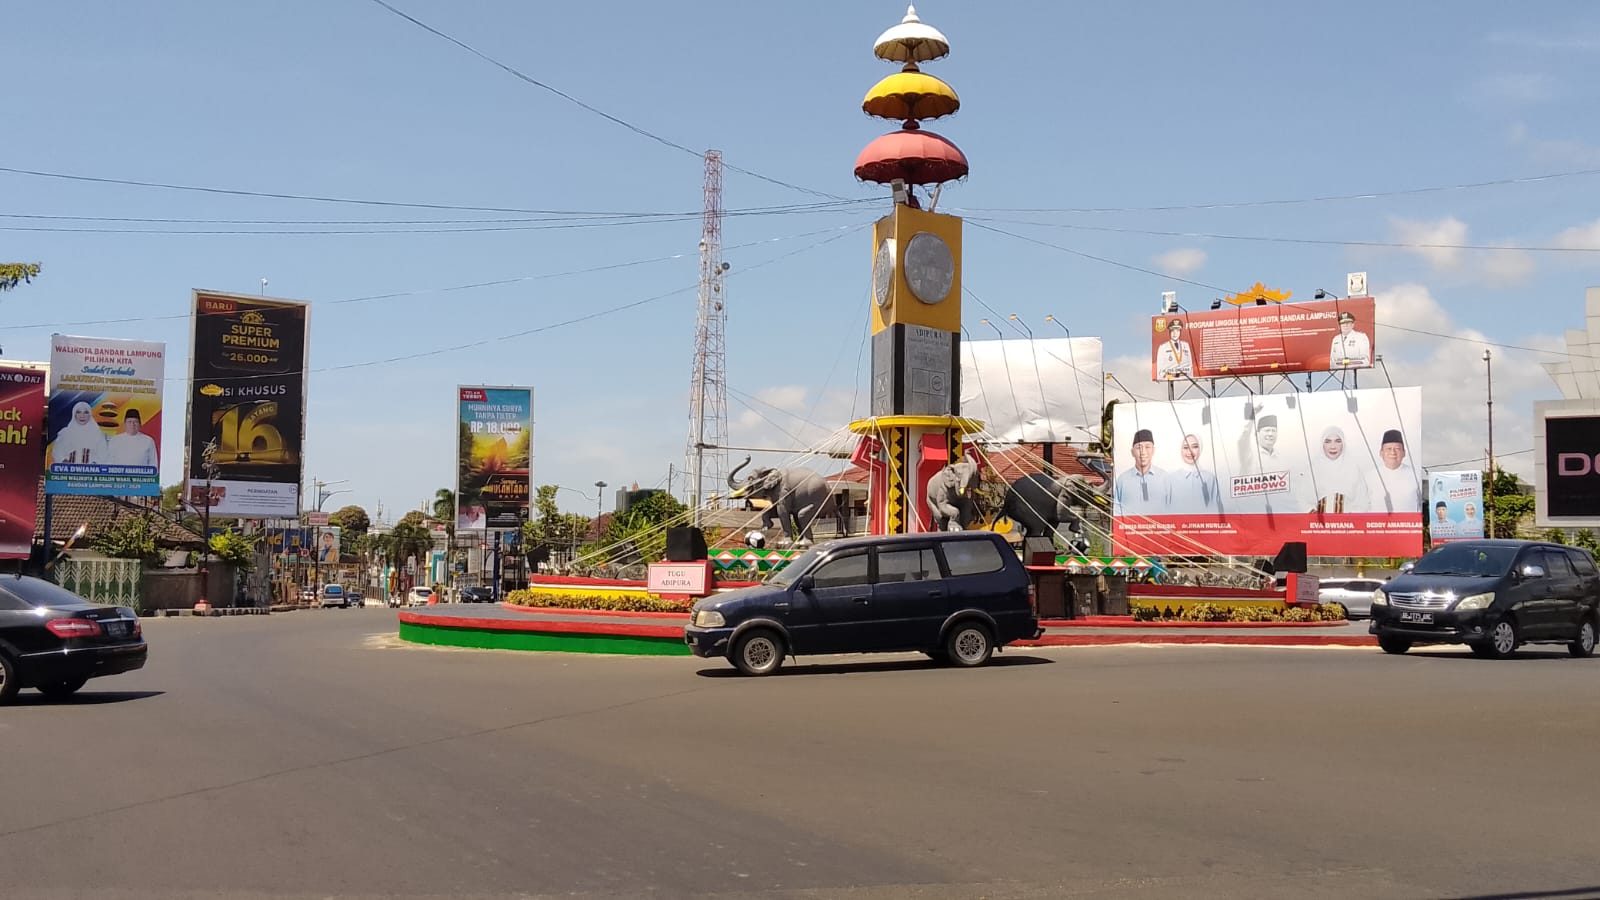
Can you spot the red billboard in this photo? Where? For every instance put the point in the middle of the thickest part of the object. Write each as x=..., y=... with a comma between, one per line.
x=21, y=457
x=1242, y=476
x=1318, y=336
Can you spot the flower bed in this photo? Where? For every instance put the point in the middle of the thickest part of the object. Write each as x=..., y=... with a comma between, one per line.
x=1221, y=612
x=593, y=600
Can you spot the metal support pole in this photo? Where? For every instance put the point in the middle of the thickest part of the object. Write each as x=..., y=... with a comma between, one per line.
x=496, y=588
x=1488, y=492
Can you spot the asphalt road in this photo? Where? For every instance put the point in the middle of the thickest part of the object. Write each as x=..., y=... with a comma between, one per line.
x=312, y=755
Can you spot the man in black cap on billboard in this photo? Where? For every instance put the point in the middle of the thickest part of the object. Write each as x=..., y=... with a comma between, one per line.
x=1350, y=349
x=1399, y=491
x=1142, y=490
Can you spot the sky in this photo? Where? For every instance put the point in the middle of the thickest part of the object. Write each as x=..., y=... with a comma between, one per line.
x=1127, y=108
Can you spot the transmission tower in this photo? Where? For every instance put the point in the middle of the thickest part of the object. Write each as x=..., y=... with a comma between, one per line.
x=707, y=456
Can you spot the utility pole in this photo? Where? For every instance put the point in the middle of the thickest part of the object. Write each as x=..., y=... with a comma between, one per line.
x=599, y=500
x=708, y=388
x=1488, y=489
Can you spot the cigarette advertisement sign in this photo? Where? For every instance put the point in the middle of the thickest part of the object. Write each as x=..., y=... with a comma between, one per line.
x=21, y=456
x=1318, y=336
x=104, y=426
x=493, y=457
x=1566, y=440
x=1455, y=506
x=246, y=405
x=1244, y=475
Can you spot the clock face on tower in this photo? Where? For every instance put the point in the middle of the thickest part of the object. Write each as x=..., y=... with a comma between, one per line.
x=930, y=267
x=883, y=271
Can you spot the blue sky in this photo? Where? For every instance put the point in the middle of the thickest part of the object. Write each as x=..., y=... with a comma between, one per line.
x=1117, y=105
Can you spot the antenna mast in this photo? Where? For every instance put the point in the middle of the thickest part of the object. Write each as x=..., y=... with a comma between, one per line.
x=707, y=457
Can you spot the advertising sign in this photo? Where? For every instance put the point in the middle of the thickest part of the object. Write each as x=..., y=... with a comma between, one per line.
x=493, y=456
x=1566, y=441
x=21, y=456
x=104, y=427
x=247, y=377
x=1044, y=390
x=1318, y=336
x=1455, y=506
x=328, y=544
x=1243, y=475
x=679, y=579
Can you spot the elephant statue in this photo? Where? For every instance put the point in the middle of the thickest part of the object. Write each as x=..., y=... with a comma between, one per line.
x=1040, y=505
x=796, y=497
x=950, y=495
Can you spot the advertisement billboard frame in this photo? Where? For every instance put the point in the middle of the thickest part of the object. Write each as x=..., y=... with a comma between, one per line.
x=1260, y=329
x=1459, y=491
x=1543, y=412
x=104, y=398
x=491, y=522
x=22, y=430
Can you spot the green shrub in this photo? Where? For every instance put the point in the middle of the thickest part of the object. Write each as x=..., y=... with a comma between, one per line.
x=1254, y=614
x=585, y=600
x=1205, y=612
x=1332, y=612
x=1297, y=614
x=1145, y=613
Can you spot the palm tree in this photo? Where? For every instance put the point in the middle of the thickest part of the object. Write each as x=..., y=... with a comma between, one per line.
x=444, y=507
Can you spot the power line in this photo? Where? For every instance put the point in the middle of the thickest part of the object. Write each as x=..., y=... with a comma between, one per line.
x=1239, y=204
x=523, y=76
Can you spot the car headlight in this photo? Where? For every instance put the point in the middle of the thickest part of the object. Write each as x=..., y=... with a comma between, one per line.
x=1476, y=601
x=1379, y=598
x=709, y=618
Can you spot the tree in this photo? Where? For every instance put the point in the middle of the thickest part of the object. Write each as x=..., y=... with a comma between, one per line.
x=645, y=524
x=410, y=540
x=1554, y=536
x=444, y=507
x=549, y=526
x=132, y=537
x=1505, y=503
x=235, y=548
x=12, y=274
x=415, y=517
x=1585, y=539
x=352, y=519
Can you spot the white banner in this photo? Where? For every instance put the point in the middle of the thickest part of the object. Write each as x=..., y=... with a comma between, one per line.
x=1045, y=390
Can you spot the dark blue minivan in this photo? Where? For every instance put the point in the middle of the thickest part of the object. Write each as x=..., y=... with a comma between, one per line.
x=956, y=596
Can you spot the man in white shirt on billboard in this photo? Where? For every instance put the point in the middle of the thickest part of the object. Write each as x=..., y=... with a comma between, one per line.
x=1398, y=491
x=131, y=446
x=1174, y=360
x=1193, y=489
x=1144, y=489
x=1350, y=349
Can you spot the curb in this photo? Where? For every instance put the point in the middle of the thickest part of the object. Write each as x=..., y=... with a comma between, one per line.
x=616, y=613
x=1239, y=640
x=213, y=613
x=1121, y=622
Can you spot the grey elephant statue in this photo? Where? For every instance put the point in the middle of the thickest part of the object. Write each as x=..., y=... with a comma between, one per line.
x=950, y=495
x=1040, y=504
x=797, y=497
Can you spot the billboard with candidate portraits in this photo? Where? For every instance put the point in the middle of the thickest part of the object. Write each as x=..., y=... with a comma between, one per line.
x=104, y=427
x=1317, y=336
x=1455, y=506
x=1338, y=470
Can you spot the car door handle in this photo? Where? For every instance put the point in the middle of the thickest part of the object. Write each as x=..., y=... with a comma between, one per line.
x=862, y=600
x=936, y=593
x=780, y=605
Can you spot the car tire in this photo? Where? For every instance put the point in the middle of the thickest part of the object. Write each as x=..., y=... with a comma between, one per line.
x=1583, y=647
x=1504, y=636
x=968, y=645
x=1394, y=645
x=59, y=689
x=758, y=651
x=8, y=679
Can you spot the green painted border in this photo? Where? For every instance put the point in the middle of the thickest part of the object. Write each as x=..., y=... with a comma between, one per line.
x=485, y=639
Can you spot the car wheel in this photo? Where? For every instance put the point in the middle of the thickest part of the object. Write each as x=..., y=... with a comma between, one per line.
x=757, y=652
x=1584, y=645
x=62, y=688
x=8, y=678
x=1503, y=639
x=1395, y=645
x=968, y=645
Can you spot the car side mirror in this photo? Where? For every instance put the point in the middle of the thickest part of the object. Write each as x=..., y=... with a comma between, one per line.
x=806, y=583
x=1405, y=568
x=1531, y=571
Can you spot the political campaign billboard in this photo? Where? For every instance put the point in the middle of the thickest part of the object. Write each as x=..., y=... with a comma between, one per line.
x=1317, y=336
x=247, y=375
x=22, y=416
x=493, y=456
x=1045, y=390
x=104, y=427
x=1455, y=506
x=1566, y=442
x=1243, y=475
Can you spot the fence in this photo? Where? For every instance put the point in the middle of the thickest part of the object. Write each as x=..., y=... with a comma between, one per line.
x=98, y=579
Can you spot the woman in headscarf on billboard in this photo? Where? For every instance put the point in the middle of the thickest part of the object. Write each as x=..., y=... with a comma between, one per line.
x=82, y=442
x=1340, y=479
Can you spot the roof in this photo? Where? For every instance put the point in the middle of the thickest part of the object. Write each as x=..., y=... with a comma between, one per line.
x=99, y=513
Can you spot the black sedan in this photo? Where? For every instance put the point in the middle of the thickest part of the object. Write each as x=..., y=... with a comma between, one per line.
x=477, y=595
x=54, y=640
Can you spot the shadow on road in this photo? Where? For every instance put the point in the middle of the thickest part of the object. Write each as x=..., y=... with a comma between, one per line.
x=893, y=665
x=1524, y=654
x=1537, y=895
x=83, y=698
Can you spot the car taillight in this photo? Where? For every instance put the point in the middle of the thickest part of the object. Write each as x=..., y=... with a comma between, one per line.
x=71, y=628
x=1033, y=598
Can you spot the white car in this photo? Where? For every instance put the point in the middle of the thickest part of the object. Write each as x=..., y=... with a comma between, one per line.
x=419, y=596
x=334, y=595
x=1354, y=593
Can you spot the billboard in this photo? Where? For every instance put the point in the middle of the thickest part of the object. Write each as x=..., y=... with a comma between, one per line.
x=1338, y=470
x=104, y=427
x=21, y=456
x=493, y=456
x=1317, y=336
x=1034, y=390
x=1455, y=506
x=328, y=544
x=1566, y=441
x=247, y=379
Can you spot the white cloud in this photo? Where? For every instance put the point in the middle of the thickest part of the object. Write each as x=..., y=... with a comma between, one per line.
x=1426, y=238
x=1504, y=268
x=1554, y=152
x=1580, y=236
x=1182, y=261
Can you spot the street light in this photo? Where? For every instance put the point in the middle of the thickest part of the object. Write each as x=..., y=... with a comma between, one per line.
x=1323, y=295
x=208, y=464
x=599, y=500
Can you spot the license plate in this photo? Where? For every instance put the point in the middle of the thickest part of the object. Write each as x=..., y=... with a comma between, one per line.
x=118, y=629
x=1418, y=617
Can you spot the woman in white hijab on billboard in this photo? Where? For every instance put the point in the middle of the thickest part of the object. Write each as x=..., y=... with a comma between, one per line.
x=1340, y=478
x=81, y=443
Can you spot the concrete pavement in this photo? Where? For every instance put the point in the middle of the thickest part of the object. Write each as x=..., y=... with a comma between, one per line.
x=313, y=755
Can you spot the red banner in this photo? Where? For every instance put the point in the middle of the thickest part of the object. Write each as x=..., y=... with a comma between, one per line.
x=21, y=457
x=1329, y=534
x=1319, y=336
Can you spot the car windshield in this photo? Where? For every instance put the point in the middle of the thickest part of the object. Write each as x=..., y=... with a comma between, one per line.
x=334, y=589
x=1466, y=559
x=787, y=575
x=38, y=592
